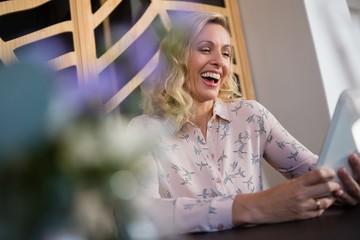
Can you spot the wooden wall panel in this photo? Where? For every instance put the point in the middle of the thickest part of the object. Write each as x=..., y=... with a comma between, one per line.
x=108, y=38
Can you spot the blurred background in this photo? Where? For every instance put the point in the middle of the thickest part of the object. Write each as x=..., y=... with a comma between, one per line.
x=70, y=72
x=66, y=167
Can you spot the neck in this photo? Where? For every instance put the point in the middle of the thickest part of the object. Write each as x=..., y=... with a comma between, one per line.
x=202, y=115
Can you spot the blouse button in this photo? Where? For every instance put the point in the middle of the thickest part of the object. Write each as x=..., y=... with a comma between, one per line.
x=218, y=180
x=213, y=155
x=220, y=227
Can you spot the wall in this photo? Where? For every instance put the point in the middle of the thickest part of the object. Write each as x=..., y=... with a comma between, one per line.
x=289, y=72
x=354, y=6
x=337, y=46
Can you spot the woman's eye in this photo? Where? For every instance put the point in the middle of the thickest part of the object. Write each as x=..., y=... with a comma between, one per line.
x=227, y=54
x=205, y=50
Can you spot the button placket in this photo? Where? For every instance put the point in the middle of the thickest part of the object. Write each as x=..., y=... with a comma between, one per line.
x=213, y=161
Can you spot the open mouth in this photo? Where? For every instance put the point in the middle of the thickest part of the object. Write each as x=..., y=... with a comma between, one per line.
x=211, y=77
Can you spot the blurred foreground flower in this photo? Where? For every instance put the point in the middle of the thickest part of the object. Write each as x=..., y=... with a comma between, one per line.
x=64, y=163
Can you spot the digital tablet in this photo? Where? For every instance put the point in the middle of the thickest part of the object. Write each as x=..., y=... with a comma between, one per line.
x=343, y=137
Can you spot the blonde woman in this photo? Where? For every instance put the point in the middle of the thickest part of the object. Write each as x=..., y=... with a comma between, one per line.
x=208, y=165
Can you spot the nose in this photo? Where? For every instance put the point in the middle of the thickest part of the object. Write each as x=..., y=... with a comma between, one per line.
x=218, y=59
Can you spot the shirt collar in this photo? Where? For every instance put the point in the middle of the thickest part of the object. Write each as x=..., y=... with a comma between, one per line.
x=221, y=110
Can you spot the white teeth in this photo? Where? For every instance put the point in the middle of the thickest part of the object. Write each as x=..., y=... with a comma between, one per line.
x=212, y=75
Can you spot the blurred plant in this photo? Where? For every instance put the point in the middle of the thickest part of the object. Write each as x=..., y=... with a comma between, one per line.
x=64, y=163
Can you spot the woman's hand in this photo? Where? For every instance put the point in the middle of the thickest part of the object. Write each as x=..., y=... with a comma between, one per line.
x=350, y=195
x=305, y=197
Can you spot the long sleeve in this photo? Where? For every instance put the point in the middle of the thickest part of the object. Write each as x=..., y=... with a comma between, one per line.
x=174, y=214
x=185, y=214
x=285, y=153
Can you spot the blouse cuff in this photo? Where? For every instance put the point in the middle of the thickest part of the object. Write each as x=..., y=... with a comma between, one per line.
x=206, y=215
x=221, y=218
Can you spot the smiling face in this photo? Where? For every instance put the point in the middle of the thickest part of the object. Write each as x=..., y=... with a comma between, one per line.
x=209, y=62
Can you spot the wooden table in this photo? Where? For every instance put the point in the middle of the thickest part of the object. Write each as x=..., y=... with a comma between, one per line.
x=336, y=223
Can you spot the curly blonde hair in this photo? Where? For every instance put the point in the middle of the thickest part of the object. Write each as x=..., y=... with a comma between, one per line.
x=165, y=93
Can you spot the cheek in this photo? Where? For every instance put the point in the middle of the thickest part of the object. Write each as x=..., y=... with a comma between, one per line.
x=226, y=70
x=224, y=80
x=193, y=67
x=228, y=66
x=227, y=75
x=191, y=80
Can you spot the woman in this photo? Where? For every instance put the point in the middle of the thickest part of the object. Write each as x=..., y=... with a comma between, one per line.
x=209, y=163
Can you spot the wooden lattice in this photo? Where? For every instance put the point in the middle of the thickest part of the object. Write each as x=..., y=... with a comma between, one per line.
x=82, y=23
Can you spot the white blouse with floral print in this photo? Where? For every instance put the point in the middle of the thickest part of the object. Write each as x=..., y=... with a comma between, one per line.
x=197, y=177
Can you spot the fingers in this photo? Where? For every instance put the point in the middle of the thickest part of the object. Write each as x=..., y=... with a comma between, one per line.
x=346, y=178
x=318, y=175
x=354, y=162
x=351, y=184
x=316, y=207
x=351, y=193
x=319, y=184
x=346, y=199
x=322, y=190
x=325, y=189
x=321, y=204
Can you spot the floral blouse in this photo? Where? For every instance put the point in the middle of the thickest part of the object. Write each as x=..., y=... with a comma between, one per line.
x=197, y=178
